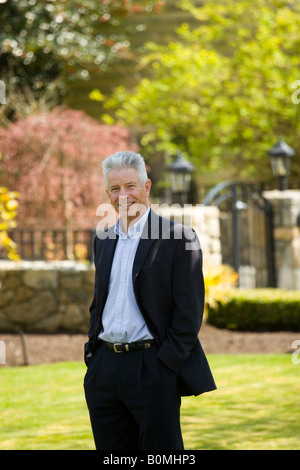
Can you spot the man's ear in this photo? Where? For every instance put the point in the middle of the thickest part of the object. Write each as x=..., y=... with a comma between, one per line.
x=148, y=185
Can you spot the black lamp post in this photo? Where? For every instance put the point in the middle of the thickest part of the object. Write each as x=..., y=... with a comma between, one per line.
x=280, y=158
x=180, y=172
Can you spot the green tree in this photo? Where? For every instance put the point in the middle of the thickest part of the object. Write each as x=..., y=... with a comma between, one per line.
x=223, y=92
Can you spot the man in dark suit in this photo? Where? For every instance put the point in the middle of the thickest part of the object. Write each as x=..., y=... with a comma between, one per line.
x=143, y=352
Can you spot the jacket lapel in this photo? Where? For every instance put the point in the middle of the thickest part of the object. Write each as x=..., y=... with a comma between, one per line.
x=149, y=235
x=105, y=263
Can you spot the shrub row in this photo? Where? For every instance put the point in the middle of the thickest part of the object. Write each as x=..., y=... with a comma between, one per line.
x=255, y=310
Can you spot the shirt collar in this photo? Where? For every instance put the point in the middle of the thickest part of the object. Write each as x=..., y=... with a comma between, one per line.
x=134, y=231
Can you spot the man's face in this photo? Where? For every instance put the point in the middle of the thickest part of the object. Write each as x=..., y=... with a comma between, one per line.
x=126, y=193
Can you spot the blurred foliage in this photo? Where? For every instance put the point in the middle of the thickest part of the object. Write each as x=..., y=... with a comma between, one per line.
x=46, y=41
x=222, y=93
x=23, y=102
x=8, y=212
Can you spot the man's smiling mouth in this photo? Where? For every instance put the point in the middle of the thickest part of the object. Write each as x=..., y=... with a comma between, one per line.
x=126, y=205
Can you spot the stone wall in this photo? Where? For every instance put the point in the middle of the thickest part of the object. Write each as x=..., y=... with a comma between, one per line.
x=286, y=213
x=45, y=297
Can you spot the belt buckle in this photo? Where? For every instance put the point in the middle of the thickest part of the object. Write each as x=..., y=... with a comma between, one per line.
x=115, y=347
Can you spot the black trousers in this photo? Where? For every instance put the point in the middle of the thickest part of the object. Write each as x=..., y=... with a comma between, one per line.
x=133, y=401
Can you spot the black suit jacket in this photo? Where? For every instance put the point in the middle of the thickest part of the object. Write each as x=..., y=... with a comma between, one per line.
x=169, y=290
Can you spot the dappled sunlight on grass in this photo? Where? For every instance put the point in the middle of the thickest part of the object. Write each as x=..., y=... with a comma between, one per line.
x=254, y=407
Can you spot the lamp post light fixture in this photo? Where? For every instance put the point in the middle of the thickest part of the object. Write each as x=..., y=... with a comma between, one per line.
x=180, y=173
x=280, y=157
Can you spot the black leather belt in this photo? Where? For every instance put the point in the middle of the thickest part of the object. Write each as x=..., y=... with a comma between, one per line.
x=127, y=347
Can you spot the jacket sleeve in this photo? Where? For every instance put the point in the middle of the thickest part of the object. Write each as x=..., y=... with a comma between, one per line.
x=188, y=294
x=92, y=328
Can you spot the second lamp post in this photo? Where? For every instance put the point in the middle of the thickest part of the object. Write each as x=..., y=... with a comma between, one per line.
x=180, y=173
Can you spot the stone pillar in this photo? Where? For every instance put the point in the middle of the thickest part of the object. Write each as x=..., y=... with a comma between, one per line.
x=286, y=212
x=205, y=222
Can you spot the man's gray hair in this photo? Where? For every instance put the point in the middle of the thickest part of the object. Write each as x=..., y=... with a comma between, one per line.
x=125, y=159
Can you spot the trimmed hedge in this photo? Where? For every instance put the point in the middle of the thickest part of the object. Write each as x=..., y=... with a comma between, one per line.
x=255, y=310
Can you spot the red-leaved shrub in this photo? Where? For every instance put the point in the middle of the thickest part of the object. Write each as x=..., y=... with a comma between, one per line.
x=54, y=161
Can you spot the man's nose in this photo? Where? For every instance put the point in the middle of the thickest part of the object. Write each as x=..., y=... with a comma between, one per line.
x=122, y=200
x=122, y=192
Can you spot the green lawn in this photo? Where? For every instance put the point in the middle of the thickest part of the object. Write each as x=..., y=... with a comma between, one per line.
x=256, y=406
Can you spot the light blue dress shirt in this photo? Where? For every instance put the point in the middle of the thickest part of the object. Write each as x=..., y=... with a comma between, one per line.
x=122, y=320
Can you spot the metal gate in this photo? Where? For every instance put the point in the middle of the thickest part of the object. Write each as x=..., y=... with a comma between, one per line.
x=246, y=232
